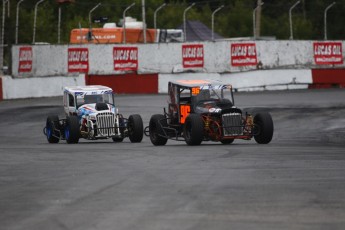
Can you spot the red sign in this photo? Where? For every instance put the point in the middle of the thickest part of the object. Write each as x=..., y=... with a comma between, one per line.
x=125, y=58
x=243, y=54
x=78, y=60
x=328, y=53
x=25, y=59
x=193, y=56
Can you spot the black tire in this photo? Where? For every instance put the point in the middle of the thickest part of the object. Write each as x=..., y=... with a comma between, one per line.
x=227, y=141
x=52, y=124
x=263, y=128
x=122, y=130
x=117, y=139
x=193, y=129
x=135, y=128
x=156, y=130
x=72, y=131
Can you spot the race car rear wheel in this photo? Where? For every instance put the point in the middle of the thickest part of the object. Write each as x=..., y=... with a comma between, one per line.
x=135, y=128
x=227, y=141
x=158, y=121
x=263, y=128
x=52, y=125
x=194, y=129
x=72, y=132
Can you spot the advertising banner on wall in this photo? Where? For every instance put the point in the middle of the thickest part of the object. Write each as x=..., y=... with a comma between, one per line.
x=243, y=54
x=25, y=59
x=78, y=60
x=193, y=56
x=125, y=58
x=328, y=53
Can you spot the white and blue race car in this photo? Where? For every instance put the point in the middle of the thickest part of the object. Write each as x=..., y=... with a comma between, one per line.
x=91, y=114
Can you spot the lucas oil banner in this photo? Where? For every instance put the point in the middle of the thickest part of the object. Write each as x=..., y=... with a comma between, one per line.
x=193, y=56
x=25, y=59
x=125, y=58
x=328, y=53
x=243, y=54
x=78, y=60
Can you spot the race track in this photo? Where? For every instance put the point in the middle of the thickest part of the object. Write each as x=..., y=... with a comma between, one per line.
x=295, y=182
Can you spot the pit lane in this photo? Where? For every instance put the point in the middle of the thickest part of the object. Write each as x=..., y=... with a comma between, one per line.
x=296, y=182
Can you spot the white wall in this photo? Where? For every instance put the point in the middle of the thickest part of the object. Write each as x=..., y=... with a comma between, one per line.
x=247, y=81
x=14, y=88
x=166, y=58
x=283, y=63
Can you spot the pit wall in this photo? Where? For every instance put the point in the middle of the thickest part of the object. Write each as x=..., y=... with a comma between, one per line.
x=278, y=65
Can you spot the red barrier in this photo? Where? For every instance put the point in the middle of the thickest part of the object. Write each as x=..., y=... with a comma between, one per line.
x=128, y=83
x=328, y=78
x=1, y=96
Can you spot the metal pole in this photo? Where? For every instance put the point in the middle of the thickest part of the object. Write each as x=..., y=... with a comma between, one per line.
x=290, y=18
x=155, y=15
x=144, y=18
x=90, y=20
x=2, y=36
x=184, y=21
x=258, y=19
x=59, y=24
x=8, y=8
x=17, y=19
x=218, y=9
x=35, y=16
x=325, y=19
x=254, y=20
x=124, y=22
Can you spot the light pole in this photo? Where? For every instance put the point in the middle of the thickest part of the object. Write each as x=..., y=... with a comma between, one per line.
x=17, y=19
x=93, y=9
x=35, y=17
x=325, y=19
x=59, y=24
x=184, y=21
x=124, y=22
x=290, y=18
x=144, y=18
x=218, y=9
x=254, y=19
x=155, y=15
x=89, y=37
x=2, y=35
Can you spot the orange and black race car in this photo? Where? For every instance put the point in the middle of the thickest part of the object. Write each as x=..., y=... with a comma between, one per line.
x=200, y=110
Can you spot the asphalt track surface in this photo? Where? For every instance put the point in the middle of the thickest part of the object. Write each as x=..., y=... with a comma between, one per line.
x=295, y=182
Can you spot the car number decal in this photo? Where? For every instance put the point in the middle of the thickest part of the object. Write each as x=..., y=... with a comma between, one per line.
x=184, y=111
x=195, y=91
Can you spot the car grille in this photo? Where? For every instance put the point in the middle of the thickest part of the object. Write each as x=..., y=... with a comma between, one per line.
x=232, y=124
x=106, y=124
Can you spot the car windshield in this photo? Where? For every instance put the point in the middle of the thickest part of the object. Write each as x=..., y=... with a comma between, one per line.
x=209, y=92
x=95, y=98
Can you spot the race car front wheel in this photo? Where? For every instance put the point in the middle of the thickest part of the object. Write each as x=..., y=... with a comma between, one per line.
x=227, y=141
x=263, y=126
x=194, y=129
x=52, y=127
x=157, y=136
x=117, y=139
x=135, y=128
x=72, y=133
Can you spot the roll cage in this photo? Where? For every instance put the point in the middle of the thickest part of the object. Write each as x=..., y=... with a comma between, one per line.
x=75, y=97
x=186, y=95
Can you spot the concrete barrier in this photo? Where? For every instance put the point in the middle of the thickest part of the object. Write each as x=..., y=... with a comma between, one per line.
x=328, y=78
x=1, y=95
x=127, y=83
x=15, y=88
x=42, y=70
